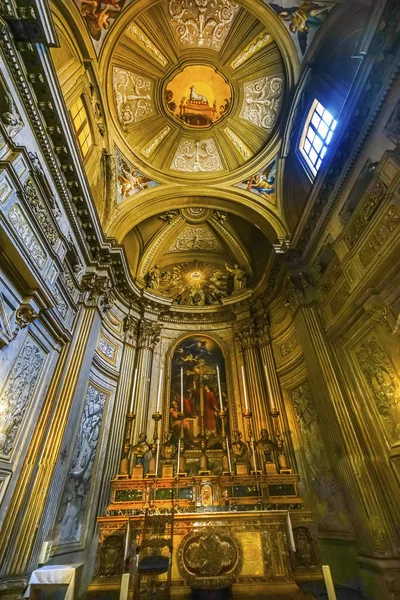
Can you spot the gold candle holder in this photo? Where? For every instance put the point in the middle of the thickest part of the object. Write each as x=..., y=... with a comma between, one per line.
x=124, y=468
x=155, y=447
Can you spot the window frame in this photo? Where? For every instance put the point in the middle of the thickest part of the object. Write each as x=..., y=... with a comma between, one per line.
x=86, y=121
x=311, y=170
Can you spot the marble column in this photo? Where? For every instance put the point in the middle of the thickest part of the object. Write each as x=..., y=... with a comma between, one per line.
x=149, y=335
x=273, y=386
x=246, y=335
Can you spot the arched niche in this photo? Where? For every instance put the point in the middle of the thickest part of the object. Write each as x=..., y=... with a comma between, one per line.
x=199, y=355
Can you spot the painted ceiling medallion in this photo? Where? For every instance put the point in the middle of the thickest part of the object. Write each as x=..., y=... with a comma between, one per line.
x=201, y=23
x=194, y=156
x=132, y=96
x=198, y=96
x=261, y=101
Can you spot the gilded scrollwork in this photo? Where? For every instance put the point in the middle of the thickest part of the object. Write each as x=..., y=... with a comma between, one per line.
x=261, y=102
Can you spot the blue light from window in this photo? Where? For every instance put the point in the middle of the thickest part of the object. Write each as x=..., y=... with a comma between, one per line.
x=319, y=130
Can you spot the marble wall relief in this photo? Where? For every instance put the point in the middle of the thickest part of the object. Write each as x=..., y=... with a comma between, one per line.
x=261, y=101
x=71, y=513
x=197, y=96
x=18, y=392
x=133, y=96
x=330, y=508
x=263, y=182
x=383, y=385
x=202, y=24
x=26, y=236
x=193, y=156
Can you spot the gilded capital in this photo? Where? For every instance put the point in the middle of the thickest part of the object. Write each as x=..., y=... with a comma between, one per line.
x=246, y=334
x=131, y=329
x=149, y=334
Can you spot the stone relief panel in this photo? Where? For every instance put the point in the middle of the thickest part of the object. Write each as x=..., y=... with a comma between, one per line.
x=196, y=156
x=288, y=345
x=195, y=238
x=18, y=392
x=330, y=507
x=27, y=237
x=383, y=385
x=107, y=349
x=71, y=513
x=133, y=96
x=261, y=101
x=201, y=24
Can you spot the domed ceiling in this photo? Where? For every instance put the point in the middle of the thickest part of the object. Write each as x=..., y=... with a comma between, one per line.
x=197, y=256
x=197, y=88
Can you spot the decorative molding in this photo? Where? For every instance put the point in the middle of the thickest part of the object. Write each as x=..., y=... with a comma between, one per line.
x=340, y=298
x=27, y=237
x=288, y=345
x=131, y=329
x=39, y=210
x=388, y=223
x=5, y=190
x=194, y=156
x=132, y=96
x=134, y=32
x=257, y=43
x=148, y=150
x=238, y=143
x=203, y=24
x=261, y=101
x=365, y=214
x=10, y=116
x=61, y=304
x=18, y=392
x=107, y=349
x=246, y=334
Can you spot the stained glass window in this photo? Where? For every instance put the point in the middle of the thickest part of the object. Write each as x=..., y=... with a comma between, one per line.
x=317, y=135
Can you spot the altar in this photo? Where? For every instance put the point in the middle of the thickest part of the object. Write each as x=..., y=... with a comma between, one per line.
x=245, y=533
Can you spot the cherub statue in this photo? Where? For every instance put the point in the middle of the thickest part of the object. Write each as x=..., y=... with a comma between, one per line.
x=140, y=449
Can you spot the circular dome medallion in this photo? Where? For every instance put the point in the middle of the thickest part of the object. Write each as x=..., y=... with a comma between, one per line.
x=197, y=96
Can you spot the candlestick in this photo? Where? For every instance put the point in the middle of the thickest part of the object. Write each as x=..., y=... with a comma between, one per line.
x=219, y=389
x=330, y=588
x=254, y=456
x=181, y=389
x=159, y=391
x=269, y=390
x=179, y=457
x=157, y=456
x=246, y=400
x=290, y=532
x=229, y=455
x=133, y=392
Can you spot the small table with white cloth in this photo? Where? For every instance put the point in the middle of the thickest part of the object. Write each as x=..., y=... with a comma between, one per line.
x=54, y=576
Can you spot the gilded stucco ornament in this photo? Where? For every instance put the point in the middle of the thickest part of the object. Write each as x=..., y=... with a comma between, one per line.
x=194, y=156
x=261, y=101
x=132, y=96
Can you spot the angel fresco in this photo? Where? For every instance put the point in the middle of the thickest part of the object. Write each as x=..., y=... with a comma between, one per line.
x=263, y=182
x=130, y=179
x=300, y=19
x=98, y=14
x=195, y=413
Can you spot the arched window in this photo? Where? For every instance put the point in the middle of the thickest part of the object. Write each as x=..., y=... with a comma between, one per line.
x=316, y=137
x=81, y=126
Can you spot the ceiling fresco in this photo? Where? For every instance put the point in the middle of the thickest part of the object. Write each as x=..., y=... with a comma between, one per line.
x=263, y=183
x=130, y=180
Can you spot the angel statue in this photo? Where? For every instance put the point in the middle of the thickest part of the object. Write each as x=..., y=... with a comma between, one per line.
x=153, y=278
x=239, y=277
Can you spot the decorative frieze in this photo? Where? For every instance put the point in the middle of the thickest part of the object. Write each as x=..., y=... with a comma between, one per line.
x=61, y=304
x=71, y=513
x=385, y=228
x=195, y=156
x=107, y=349
x=261, y=101
x=136, y=34
x=18, y=392
x=257, y=43
x=26, y=236
x=238, y=144
x=365, y=214
x=148, y=150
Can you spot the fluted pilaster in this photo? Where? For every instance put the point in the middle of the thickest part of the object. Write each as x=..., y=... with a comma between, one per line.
x=149, y=335
x=246, y=335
